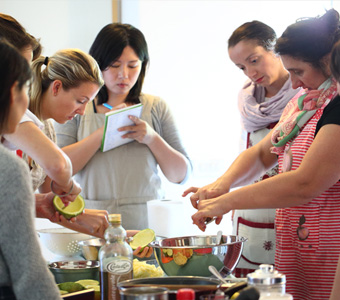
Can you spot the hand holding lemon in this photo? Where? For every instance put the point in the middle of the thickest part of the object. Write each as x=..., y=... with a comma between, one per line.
x=141, y=241
x=71, y=209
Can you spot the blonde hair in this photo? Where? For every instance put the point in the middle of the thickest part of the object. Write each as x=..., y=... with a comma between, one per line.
x=71, y=66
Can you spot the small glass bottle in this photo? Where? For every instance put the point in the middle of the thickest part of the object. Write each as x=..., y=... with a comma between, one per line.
x=115, y=259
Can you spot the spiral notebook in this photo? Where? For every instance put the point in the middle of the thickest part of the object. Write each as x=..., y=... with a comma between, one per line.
x=115, y=119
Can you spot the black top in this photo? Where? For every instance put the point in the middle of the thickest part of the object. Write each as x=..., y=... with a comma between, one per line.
x=331, y=114
x=94, y=107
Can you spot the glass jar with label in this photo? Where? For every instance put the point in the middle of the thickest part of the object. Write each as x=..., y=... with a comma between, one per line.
x=115, y=259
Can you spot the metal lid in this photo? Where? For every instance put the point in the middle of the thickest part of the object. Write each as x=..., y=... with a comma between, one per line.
x=115, y=218
x=266, y=275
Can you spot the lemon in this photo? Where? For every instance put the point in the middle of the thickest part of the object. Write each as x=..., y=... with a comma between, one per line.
x=63, y=292
x=73, y=209
x=86, y=282
x=70, y=287
x=143, y=238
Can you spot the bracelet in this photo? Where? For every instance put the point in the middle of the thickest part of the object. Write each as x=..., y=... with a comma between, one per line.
x=69, y=192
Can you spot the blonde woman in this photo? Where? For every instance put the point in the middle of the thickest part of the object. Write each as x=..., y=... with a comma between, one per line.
x=60, y=90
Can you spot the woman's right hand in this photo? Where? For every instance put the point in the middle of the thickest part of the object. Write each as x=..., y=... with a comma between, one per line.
x=60, y=190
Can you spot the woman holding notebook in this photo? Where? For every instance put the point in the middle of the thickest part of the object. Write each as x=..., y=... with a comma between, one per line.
x=123, y=179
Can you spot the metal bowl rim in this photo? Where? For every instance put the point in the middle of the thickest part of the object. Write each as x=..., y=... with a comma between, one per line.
x=138, y=280
x=59, y=231
x=155, y=244
x=94, y=264
x=153, y=290
x=88, y=242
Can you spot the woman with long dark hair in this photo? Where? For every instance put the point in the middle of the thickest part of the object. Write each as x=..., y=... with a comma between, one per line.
x=23, y=270
x=123, y=179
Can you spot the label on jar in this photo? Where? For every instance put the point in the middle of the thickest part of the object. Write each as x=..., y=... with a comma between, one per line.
x=119, y=267
x=114, y=271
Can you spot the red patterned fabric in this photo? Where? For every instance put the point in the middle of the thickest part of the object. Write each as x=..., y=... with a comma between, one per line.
x=308, y=236
x=295, y=109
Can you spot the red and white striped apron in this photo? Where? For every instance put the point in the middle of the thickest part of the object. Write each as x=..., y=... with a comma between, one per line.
x=308, y=262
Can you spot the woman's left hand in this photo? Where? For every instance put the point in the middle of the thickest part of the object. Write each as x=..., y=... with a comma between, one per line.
x=146, y=252
x=45, y=208
x=141, y=131
x=91, y=221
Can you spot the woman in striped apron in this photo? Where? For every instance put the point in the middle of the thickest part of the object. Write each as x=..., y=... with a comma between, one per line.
x=306, y=192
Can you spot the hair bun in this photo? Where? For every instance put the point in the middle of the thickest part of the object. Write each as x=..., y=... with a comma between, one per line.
x=330, y=20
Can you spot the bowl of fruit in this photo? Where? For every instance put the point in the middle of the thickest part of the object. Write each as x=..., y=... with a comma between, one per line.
x=192, y=255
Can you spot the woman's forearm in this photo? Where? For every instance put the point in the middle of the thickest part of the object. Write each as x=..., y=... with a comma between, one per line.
x=248, y=166
x=33, y=142
x=81, y=152
x=173, y=164
x=298, y=186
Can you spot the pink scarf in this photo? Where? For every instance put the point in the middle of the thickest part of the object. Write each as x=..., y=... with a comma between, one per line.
x=298, y=112
x=256, y=113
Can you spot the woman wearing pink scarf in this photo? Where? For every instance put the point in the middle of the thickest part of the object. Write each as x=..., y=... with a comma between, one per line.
x=305, y=143
x=261, y=102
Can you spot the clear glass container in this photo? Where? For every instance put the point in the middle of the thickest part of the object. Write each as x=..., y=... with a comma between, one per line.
x=267, y=280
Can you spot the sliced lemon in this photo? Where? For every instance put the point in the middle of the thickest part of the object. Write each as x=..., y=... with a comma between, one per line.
x=70, y=287
x=73, y=209
x=143, y=238
x=95, y=287
x=86, y=282
x=63, y=292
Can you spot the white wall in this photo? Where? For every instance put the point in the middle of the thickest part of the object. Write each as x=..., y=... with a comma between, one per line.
x=190, y=67
x=191, y=70
x=60, y=23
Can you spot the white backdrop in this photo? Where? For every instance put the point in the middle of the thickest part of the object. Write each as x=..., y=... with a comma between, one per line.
x=190, y=68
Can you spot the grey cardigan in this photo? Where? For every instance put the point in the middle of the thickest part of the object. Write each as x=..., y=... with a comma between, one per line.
x=21, y=263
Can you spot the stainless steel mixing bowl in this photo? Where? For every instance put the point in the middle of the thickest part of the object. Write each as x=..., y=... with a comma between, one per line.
x=65, y=271
x=90, y=247
x=192, y=255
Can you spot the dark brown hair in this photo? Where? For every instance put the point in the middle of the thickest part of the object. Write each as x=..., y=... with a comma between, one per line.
x=12, y=31
x=108, y=46
x=311, y=39
x=13, y=68
x=257, y=31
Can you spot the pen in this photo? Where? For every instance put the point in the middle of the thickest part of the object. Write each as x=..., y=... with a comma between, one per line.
x=107, y=105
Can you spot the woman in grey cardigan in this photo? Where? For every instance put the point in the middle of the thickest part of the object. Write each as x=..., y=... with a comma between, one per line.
x=23, y=271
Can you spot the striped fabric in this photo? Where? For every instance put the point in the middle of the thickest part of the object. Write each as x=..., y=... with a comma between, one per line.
x=308, y=236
